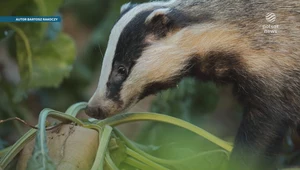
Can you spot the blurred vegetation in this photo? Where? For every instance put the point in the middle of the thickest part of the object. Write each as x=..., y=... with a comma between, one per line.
x=112, y=148
x=37, y=54
x=44, y=56
x=193, y=96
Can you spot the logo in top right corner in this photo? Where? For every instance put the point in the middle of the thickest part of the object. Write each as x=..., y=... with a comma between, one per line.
x=270, y=17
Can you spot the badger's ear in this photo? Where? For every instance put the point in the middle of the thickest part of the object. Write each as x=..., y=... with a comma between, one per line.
x=126, y=7
x=159, y=16
x=162, y=21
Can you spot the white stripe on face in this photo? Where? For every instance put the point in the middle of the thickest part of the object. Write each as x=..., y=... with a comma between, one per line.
x=112, y=44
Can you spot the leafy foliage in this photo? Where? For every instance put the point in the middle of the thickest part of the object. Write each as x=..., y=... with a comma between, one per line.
x=126, y=153
x=43, y=59
x=42, y=54
x=52, y=62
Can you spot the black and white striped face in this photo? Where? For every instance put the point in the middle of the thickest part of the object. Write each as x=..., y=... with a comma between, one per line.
x=139, y=59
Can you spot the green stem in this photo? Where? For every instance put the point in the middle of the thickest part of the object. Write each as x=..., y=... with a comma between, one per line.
x=25, y=39
x=4, y=151
x=130, y=117
x=137, y=164
x=104, y=140
x=16, y=148
x=132, y=146
x=64, y=117
x=41, y=147
x=109, y=162
x=76, y=108
x=145, y=160
x=165, y=162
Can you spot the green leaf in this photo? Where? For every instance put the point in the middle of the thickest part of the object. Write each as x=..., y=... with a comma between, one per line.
x=42, y=62
x=51, y=62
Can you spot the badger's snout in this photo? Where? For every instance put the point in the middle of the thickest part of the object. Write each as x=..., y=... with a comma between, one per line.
x=101, y=107
x=96, y=112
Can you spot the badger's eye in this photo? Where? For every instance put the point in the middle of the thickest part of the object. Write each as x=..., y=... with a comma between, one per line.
x=122, y=70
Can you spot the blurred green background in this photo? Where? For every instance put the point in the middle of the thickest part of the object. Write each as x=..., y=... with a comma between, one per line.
x=54, y=65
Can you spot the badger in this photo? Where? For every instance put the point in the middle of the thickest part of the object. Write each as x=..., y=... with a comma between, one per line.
x=252, y=45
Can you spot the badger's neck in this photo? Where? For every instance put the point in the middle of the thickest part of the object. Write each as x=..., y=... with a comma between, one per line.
x=221, y=54
x=212, y=52
x=206, y=51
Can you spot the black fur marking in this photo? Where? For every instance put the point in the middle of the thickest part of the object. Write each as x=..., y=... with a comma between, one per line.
x=218, y=66
x=132, y=43
x=156, y=87
x=129, y=48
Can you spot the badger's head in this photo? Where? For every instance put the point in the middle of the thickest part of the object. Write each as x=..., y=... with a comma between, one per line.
x=142, y=57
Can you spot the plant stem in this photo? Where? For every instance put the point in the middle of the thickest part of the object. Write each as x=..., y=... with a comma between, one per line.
x=137, y=164
x=25, y=39
x=16, y=148
x=110, y=162
x=104, y=140
x=145, y=160
x=130, y=117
